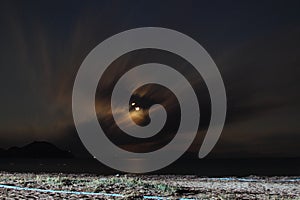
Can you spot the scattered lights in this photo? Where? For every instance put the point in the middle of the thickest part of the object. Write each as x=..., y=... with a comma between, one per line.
x=136, y=108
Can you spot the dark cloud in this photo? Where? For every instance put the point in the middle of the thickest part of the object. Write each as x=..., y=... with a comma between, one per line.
x=256, y=48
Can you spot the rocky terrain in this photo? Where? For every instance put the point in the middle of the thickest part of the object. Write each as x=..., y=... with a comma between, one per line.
x=87, y=186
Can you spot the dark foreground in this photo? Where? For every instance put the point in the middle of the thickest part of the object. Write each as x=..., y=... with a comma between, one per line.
x=67, y=186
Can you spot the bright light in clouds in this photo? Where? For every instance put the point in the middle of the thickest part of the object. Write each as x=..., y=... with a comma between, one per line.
x=137, y=108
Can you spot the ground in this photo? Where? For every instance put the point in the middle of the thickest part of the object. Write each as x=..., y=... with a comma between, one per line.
x=145, y=186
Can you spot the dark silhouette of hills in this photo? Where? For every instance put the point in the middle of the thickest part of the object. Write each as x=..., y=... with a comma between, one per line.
x=35, y=150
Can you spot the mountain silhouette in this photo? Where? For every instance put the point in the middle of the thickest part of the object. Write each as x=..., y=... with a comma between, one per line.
x=35, y=149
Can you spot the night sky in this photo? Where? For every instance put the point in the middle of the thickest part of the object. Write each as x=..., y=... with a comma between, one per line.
x=256, y=46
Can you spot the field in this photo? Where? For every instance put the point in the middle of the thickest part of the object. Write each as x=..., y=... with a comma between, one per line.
x=88, y=186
